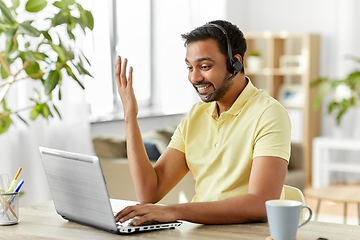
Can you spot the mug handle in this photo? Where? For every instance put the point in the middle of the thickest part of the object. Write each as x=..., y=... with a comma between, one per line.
x=307, y=220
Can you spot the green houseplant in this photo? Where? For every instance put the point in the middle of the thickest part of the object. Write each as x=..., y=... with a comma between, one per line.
x=43, y=55
x=253, y=61
x=339, y=106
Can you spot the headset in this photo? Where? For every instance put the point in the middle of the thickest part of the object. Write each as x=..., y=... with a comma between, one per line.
x=234, y=66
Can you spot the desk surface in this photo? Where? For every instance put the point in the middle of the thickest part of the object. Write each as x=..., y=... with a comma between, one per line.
x=336, y=193
x=42, y=222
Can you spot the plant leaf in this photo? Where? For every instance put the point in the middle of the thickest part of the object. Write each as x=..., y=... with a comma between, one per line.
x=33, y=114
x=33, y=68
x=10, y=33
x=61, y=5
x=60, y=18
x=59, y=94
x=35, y=5
x=52, y=81
x=69, y=2
x=5, y=123
x=46, y=35
x=37, y=94
x=22, y=119
x=82, y=70
x=57, y=111
x=353, y=58
x=40, y=56
x=16, y=4
x=3, y=26
x=71, y=35
x=29, y=56
x=26, y=28
x=71, y=74
x=87, y=60
x=81, y=23
x=5, y=107
x=318, y=81
x=4, y=74
x=59, y=51
x=6, y=13
x=45, y=111
x=90, y=20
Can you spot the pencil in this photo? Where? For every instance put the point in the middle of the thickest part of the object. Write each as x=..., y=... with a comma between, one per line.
x=14, y=182
x=17, y=174
x=9, y=207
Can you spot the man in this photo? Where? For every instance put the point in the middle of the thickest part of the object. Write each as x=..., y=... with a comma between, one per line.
x=236, y=143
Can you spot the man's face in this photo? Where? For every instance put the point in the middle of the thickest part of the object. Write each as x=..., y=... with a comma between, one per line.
x=207, y=69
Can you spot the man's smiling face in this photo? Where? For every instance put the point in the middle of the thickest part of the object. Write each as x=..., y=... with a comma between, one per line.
x=207, y=68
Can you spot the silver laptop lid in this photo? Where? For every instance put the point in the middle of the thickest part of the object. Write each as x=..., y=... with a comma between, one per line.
x=78, y=188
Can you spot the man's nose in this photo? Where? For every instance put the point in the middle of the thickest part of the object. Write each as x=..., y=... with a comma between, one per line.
x=195, y=76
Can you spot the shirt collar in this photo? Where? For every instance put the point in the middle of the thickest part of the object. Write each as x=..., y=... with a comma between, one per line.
x=239, y=103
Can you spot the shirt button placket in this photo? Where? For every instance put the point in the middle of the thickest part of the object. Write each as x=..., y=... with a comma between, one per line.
x=219, y=135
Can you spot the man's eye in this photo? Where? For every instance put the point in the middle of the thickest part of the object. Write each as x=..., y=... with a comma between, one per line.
x=189, y=68
x=205, y=67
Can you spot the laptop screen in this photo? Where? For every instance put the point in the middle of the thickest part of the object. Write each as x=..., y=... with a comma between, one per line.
x=78, y=188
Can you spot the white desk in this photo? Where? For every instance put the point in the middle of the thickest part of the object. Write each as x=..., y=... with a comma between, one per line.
x=321, y=165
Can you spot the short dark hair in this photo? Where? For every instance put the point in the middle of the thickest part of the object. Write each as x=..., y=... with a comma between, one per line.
x=236, y=36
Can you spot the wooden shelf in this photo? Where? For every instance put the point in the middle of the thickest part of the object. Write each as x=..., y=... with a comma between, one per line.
x=276, y=50
x=275, y=71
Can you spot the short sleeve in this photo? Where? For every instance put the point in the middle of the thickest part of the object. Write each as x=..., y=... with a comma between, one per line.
x=177, y=139
x=273, y=133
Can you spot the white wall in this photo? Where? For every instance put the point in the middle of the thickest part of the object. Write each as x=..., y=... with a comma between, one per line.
x=173, y=94
x=334, y=20
x=337, y=22
x=172, y=91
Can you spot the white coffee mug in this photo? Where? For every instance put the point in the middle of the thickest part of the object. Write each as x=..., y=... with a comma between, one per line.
x=283, y=217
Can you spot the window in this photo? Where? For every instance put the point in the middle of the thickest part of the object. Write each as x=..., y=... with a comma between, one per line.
x=133, y=41
x=147, y=33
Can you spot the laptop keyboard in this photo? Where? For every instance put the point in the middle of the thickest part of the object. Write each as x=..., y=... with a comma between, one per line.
x=129, y=223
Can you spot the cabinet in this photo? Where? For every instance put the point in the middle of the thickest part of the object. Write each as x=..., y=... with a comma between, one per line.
x=323, y=165
x=289, y=62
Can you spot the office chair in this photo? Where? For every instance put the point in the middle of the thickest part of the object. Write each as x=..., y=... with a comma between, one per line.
x=293, y=193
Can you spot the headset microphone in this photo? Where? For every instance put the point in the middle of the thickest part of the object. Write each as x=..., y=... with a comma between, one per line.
x=209, y=96
x=234, y=66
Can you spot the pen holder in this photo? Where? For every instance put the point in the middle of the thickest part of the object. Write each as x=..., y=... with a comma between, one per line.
x=9, y=208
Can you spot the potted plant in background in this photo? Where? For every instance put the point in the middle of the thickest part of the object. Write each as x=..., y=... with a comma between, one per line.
x=253, y=61
x=43, y=55
x=340, y=103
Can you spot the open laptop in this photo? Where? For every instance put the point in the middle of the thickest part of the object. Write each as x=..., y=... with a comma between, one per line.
x=79, y=192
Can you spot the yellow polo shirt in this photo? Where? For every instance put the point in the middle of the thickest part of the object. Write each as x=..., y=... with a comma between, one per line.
x=219, y=150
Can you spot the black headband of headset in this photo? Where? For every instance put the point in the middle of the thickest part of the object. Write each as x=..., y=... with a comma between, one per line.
x=226, y=35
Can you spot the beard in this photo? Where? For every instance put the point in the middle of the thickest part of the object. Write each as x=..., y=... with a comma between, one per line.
x=220, y=93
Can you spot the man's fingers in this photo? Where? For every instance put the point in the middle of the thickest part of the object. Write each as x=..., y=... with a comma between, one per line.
x=143, y=219
x=123, y=79
x=125, y=214
x=130, y=75
x=120, y=73
x=117, y=68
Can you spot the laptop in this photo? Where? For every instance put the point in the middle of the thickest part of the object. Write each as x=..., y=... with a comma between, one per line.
x=80, y=195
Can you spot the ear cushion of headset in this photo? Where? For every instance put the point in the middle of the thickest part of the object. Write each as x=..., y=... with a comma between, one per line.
x=234, y=65
x=237, y=65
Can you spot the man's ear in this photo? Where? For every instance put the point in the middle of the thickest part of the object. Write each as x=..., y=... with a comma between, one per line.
x=238, y=56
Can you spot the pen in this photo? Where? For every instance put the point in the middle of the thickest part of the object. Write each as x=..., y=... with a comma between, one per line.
x=17, y=189
x=14, y=182
x=8, y=206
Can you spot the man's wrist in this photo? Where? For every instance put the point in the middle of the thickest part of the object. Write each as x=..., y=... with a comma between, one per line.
x=177, y=211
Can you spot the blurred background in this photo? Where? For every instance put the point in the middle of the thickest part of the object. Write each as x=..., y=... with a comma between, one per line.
x=315, y=35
